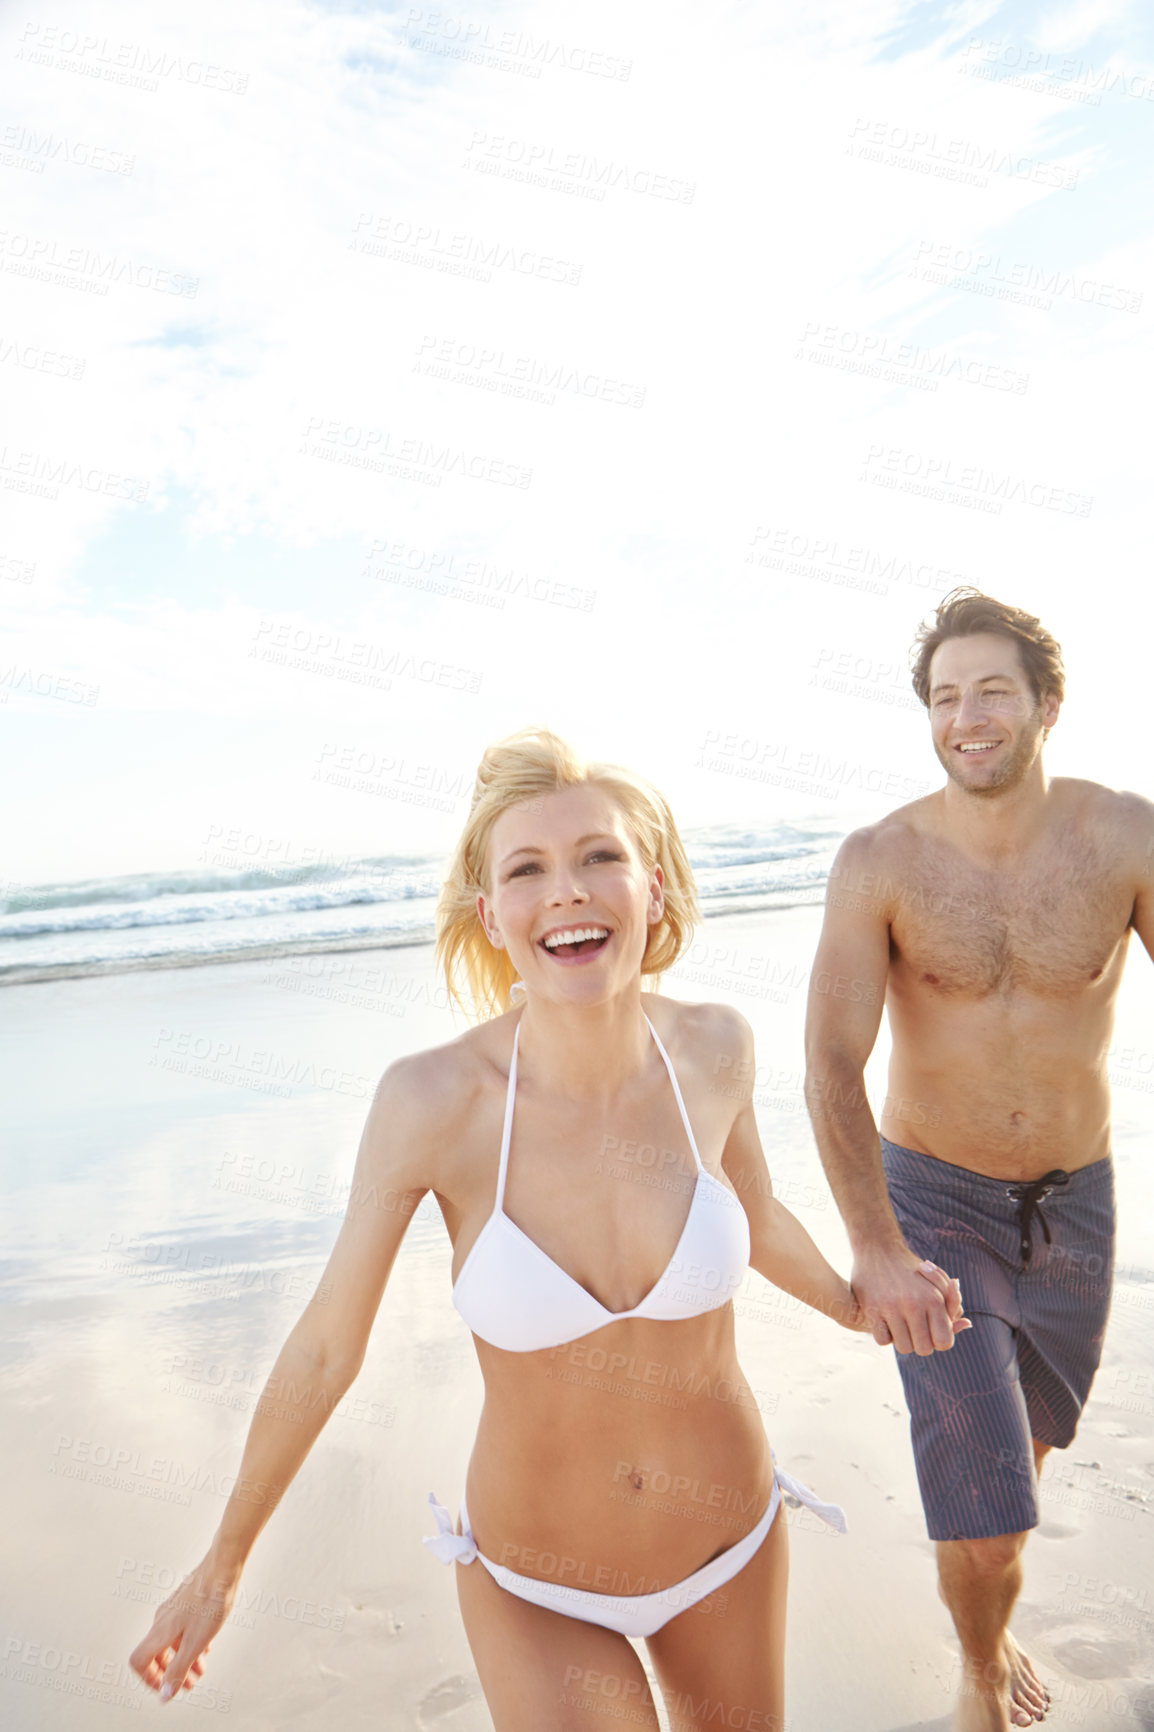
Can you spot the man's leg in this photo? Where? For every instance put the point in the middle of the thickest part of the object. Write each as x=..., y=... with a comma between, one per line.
x=976, y=1412
x=1026, y=1688
x=978, y=1479
x=971, y=1427
x=979, y=1581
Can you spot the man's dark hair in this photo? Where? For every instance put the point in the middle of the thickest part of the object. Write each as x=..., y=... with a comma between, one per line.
x=964, y=613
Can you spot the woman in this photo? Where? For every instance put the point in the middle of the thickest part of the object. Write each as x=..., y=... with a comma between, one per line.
x=605, y=1190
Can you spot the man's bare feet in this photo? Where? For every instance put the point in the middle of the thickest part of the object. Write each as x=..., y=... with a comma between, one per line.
x=983, y=1701
x=1029, y=1697
x=997, y=1697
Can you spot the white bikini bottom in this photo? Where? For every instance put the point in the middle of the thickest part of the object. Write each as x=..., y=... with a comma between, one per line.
x=629, y=1614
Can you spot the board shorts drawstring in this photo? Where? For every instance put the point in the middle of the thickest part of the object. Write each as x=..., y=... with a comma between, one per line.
x=1029, y=1199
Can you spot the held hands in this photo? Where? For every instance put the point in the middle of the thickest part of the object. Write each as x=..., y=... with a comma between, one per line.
x=911, y=1303
x=171, y=1656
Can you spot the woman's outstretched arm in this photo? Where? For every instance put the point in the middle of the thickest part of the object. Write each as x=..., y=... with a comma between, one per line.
x=781, y=1249
x=313, y=1371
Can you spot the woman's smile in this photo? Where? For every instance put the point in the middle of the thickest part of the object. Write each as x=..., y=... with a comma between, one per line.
x=569, y=944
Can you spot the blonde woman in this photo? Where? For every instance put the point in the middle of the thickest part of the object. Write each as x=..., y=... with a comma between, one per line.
x=576, y=1536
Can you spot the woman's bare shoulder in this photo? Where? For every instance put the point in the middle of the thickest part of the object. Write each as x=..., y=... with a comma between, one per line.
x=701, y=1034
x=426, y=1102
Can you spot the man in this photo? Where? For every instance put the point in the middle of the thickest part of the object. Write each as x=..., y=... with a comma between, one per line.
x=993, y=918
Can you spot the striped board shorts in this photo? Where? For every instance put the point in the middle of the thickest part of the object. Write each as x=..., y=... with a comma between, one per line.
x=1036, y=1274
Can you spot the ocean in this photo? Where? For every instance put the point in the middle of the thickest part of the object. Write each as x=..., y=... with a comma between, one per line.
x=231, y=909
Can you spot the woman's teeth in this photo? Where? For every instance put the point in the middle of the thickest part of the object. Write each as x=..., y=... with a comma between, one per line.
x=579, y=935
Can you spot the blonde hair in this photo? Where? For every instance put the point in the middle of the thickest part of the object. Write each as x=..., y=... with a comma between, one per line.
x=519, y=769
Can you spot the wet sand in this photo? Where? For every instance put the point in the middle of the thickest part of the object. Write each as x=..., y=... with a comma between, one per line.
x=179, y=1145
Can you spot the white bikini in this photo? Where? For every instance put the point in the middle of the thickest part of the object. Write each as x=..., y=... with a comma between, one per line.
x=514, y=1296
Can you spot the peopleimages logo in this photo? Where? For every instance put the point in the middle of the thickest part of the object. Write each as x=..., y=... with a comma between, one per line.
x=960, y=159
x=42, y=473
x=460, y=254
x=856, y=567
x=478, y=39
x=941, y=477
x=539, y=163
x=780, y=764
x=131, y=63
x=990, y=274
x=40, y=255
x=1055, y=74
x=444, y=573
x=42, y=147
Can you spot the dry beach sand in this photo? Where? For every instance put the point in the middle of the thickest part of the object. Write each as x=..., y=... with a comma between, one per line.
x=178, y=1147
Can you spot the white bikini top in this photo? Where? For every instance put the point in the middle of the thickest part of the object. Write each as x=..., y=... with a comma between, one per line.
x=513, y=1295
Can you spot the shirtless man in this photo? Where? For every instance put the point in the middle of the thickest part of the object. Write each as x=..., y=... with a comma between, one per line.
x=993, y=917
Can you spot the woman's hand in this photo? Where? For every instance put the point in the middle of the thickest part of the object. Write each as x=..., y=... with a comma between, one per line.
x=951, y=1292
x=850, y=1313
x=171, y=1656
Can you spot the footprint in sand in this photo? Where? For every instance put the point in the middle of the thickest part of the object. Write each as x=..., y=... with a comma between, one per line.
x=445, y=1698
x=1093, y=1655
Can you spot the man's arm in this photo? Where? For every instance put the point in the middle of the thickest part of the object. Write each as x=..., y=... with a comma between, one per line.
x=917, y=1311
x=1141, y=816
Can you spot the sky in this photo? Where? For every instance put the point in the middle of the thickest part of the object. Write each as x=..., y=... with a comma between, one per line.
x=378, y=380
